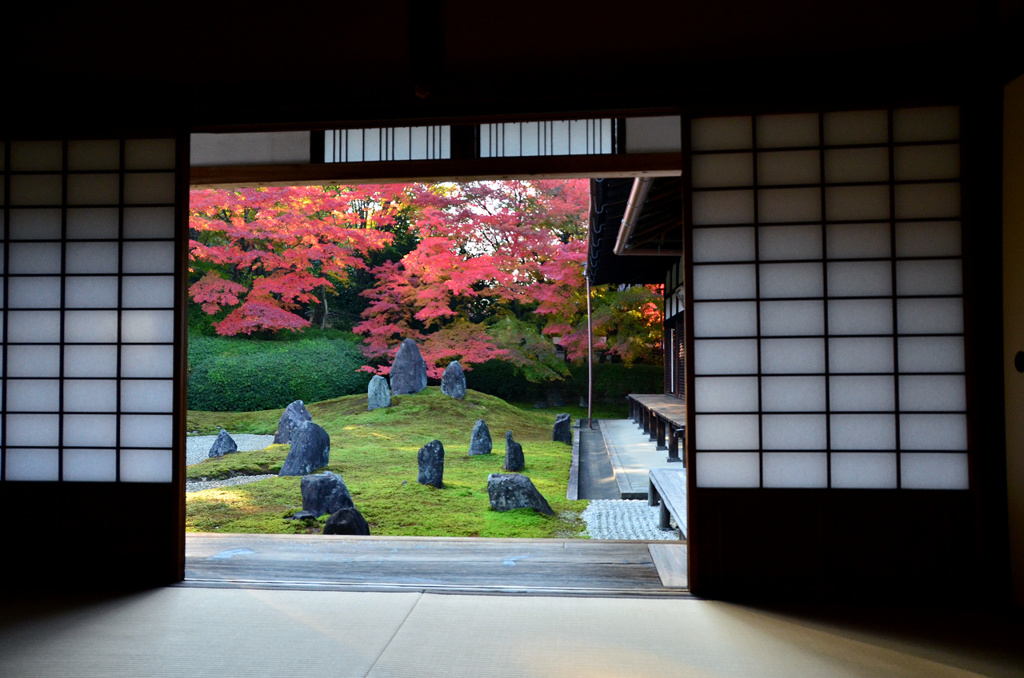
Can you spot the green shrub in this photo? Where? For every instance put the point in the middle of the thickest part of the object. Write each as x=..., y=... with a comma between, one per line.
x=612, y=381
x=242, y=375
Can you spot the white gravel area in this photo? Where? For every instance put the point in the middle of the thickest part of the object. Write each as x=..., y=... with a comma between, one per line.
x=624, y=519
x=197, y=450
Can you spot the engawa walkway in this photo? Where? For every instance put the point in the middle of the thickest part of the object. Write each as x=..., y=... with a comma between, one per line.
x=632, y=455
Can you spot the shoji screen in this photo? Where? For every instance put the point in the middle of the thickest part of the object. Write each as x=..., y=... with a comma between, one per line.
x=828, y=345
x=88, y=310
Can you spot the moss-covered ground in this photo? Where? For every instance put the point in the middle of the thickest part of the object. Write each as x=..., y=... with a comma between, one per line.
x=375, y=453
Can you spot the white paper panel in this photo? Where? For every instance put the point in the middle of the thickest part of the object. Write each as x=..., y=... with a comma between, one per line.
x=94, y=155
x=35, y=465
x=90, y=395
x=781, y=205
x=721, y=282
x=725, y=394
x=92, y=257
x=860, y=279
x=90, y=466
x=725, y=319
x=850, y=165
x=91, y=223
x=796, y=129
x=793, y=356
x=34, y=257
x=32, y=429
x=860, y=316
x=33, y=361
x=37, y=156
x=853, y=355
x=862, y=394
x=723, y=244
x=93, y=189
x=789, y=242
x=927, y=201
x=864, y=470
x=147, y=361
x=149, y=188
x=149, y=154
x=858, y=241
x=719, y=134
x=723, y=207
x=33, y=292
x=90, y=430
x=147, y=396
x=728, y=469
x=850, y=203
x=146, y=430
x=928, y=239
x=929, y=277
x=41, y=224
x=788, y=167
x=938, y=393
x=90, y=361
x=36, y=189
x=148, y=257
x=725, y=356
x=31, y=327
x=934, y=471
x=727, y=169
x=82, y=327
x=927, y=162
x=149, y=291
x=936, y=123
x=146, y=327
x=148, y=222
x=930, y=316
x=793, y=394
x=90, y=292
x=33, y=395
x=856, y=127
x=794, y=431
x=931, y=354
x=795, y=469
x=146, y=466
x=933, y=431
x=863, y=431
x=726, y=431
x=780, y=318
x=791, y=280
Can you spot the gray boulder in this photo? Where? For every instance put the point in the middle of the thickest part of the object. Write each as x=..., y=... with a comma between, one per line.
x=294, y=416
x=453, y=381
x=562, y=431
x=324, y=493
x=378, y=394
x=409, y=370
x=514, y=460
x=224, y=444
x=311, y=449
x=509, y=491
x=431, y=462
x=347, y=521
x=480, y=441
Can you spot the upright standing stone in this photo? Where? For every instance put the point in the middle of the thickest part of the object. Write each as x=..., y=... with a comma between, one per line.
x=324, y=493
x=311, y=449
x=508, y=491
x=453, y=381
x=295, y=415
x=562, y=431
x=431, y=461
x=224, y=444
x=378, y=394
x=409, y=370
x=480, y=441
x=514, y=460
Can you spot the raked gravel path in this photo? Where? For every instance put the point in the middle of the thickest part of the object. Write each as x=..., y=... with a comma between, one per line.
x=197, y=450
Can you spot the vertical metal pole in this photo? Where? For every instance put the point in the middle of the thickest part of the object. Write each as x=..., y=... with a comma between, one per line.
x=590, y=357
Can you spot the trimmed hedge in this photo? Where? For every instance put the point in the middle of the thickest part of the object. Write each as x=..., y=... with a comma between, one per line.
x=242, y=375
x=612, y=381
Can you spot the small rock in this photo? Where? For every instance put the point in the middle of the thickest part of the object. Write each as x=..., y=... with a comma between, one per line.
x=480, y=441
x=540, y=405
x=431, y=462
x=303, y=515
x=378, y=394
x=583, y=401
x=409, y=369
x=509, y=491
x=514, y=460
x=324, y=493
x=224, y=444
x=453, y=381
x=293, y=417
x=562, y=431
x=310, y=450
x=347, y=521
